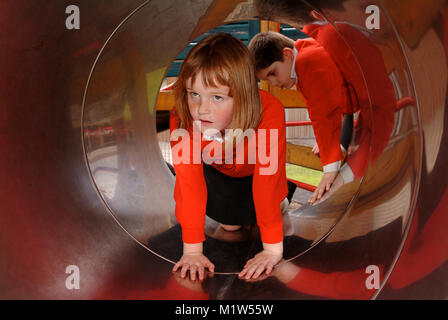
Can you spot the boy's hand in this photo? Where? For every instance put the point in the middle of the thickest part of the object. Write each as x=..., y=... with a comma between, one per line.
x=324, y=186
x=263, y=261
x=315, y=149
x=194, y=261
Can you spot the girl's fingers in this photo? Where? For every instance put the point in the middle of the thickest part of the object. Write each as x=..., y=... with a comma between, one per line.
x=251, y=262
x=249, y=273
x=251, y=270
x=193, y=270
x=201, y=272
x=197, y=270
x=256, y=266
x=269, y=269
x=244, y=272
x=259, y=271
x=184, y=270
x=176, y=266
x=210, y=266
x=248, y=263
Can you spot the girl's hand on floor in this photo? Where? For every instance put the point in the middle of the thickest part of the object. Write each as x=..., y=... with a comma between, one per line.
x=193, y=260
x=195, y=263
x=263, y=261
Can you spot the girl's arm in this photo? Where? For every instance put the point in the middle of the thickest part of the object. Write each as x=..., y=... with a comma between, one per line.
x=189, y=191
x=269, y=188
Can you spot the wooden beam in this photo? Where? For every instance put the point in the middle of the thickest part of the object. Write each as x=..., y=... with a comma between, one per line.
x=302, y=156
x=289, y=98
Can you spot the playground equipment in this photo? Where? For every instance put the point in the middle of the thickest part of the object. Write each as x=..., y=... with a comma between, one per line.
x=101, y=204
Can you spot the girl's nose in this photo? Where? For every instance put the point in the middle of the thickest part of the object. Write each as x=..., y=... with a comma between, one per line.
x=204, y=106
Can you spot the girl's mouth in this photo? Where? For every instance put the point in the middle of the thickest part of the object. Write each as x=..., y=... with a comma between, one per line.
x=205, y=122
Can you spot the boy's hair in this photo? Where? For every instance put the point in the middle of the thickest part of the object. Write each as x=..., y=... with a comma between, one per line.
x=293, y=10
x=221, y=59
x=267, y=48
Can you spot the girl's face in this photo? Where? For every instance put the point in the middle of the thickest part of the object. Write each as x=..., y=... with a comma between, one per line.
x=211, y=106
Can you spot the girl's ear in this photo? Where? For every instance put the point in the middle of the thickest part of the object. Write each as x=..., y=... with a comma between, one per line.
x=288, y=53
x=316, y=15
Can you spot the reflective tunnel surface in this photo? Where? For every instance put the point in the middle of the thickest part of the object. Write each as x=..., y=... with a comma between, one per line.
x=83, y=181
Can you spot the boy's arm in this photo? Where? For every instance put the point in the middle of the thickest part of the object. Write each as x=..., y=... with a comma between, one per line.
x=323, y=88
x=325, y=116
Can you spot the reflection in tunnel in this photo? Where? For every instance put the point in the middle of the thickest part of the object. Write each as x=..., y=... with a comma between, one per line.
x=374, y=195
x=118, y=163
x=56, y=213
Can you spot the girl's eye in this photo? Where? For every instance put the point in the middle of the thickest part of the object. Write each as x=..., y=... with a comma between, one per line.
x=194, y=94
x=218, y=98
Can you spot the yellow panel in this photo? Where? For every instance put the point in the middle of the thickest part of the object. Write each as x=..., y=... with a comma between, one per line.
x=153, y=81
x=165, y=101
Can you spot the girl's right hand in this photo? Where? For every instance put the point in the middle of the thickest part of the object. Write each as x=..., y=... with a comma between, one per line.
x=195, y=263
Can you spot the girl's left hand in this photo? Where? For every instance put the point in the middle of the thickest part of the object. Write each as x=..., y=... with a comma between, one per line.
x=263, y=261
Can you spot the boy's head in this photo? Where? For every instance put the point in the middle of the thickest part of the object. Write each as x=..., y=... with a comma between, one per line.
x=274, y=57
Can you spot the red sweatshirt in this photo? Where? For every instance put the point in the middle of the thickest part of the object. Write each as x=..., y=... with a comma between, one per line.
x=352, y=50
x=190, y=191
x=326, y=95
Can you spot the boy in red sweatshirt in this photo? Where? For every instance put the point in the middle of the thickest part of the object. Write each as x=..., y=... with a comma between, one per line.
x=306, y=64
x=360, y=63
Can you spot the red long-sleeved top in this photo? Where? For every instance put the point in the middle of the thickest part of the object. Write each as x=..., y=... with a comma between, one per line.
x=326, y=94
x=190, y=191
x=352, y=50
